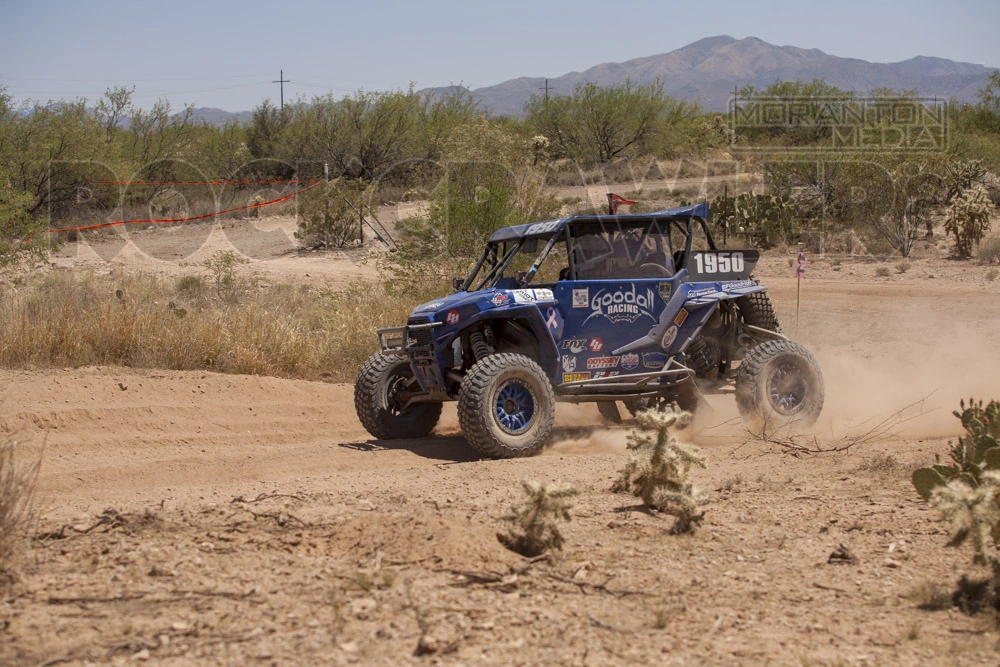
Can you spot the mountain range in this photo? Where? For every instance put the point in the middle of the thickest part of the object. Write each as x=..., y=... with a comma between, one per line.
x=707, y=71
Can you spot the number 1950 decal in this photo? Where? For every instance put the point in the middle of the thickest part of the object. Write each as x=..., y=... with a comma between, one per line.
x=720, y=262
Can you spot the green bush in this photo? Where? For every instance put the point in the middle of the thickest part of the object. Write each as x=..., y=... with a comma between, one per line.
x=969, y=219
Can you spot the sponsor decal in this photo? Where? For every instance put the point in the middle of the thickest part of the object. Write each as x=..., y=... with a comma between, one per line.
x=664, y=289
x=669, y=336
x=452, y=317
x=569, y=364
x=596, y=344
x=552, y=319
x=695, y=293
x=575, y=377
x=602, y=362
x=622, y=305
x=581, y=297
x=681, y=317
x=532, y=295
x=738, y=285
x=605, y=374
x=654, y=360
x=575, y=345
x=500, y=299
x=630, y=361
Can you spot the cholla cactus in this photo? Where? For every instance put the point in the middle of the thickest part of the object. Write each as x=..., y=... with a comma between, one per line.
x=536, y=519
x=658, y=470
x=969, y=219
x=974, y=513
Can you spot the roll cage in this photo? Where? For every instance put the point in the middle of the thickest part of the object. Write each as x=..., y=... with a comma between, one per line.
x=596, y=246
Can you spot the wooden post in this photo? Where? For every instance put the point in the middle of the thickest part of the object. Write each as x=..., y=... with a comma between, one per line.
x=800, y=271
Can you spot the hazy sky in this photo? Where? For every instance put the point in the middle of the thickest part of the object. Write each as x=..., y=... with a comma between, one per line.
x=225, y=54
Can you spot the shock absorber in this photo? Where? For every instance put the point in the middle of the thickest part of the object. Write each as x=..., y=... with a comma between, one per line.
x=478, y=342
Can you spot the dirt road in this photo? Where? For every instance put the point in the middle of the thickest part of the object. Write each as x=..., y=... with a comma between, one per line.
x=255, y=521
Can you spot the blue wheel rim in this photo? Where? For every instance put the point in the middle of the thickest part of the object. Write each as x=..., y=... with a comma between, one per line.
x=514, y=407
x=787, y=388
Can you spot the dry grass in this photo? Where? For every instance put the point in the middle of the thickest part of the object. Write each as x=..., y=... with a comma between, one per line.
x=145, y=321
x=17, y=484
x=989, y=249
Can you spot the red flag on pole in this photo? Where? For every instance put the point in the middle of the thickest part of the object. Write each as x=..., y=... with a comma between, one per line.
x=614, y=201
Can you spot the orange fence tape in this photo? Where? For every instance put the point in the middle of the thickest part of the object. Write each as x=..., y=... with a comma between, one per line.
x=291, y=180
x=102, y=225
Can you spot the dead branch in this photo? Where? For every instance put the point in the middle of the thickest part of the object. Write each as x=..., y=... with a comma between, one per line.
x=600, y=588
x=109, y=517
x=798, y=445
x=267, y=496
x=283, y=519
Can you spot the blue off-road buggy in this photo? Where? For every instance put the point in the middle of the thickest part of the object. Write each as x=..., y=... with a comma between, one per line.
x=640, y=308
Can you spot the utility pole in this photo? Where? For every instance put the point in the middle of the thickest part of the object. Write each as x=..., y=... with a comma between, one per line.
x=282, y=80
x=546, y=89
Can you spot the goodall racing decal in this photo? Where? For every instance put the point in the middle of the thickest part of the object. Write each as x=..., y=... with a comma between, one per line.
x=622, y=305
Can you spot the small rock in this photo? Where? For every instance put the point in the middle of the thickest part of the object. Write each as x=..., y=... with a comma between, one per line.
x=842, y=556
x=361, y=607
x=141, y=655
x=889, y=562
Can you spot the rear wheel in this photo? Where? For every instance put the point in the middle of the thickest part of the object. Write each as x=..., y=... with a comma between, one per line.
x=758, y=311
x=778, y=383
x=506, y=406
x=380, y=396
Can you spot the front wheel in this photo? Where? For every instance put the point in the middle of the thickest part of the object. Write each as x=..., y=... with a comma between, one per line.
x=506, y=406
x=380, y=396
x=779, y=383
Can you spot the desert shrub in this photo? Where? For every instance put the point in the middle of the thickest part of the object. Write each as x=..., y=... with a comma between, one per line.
x=17, y=485
x=489, y=182
x=989, y=249
x=22, y=239
x=882, y=271
x=535, y=529
x=969, y=219
x=968, y=494
x=189, y=285
x=992, y=274
x=978, y=450
x=222, y=267
x=329, y=213
x=903, y=266
x=765, y=220
x=658, y=469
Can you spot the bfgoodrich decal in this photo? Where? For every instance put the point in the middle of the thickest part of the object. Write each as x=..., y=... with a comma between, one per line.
x=654, y=360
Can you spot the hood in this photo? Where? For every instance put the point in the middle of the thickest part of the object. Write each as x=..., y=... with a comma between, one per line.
x=462, y=305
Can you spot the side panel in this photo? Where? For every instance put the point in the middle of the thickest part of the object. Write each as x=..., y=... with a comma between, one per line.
x=603, y=318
